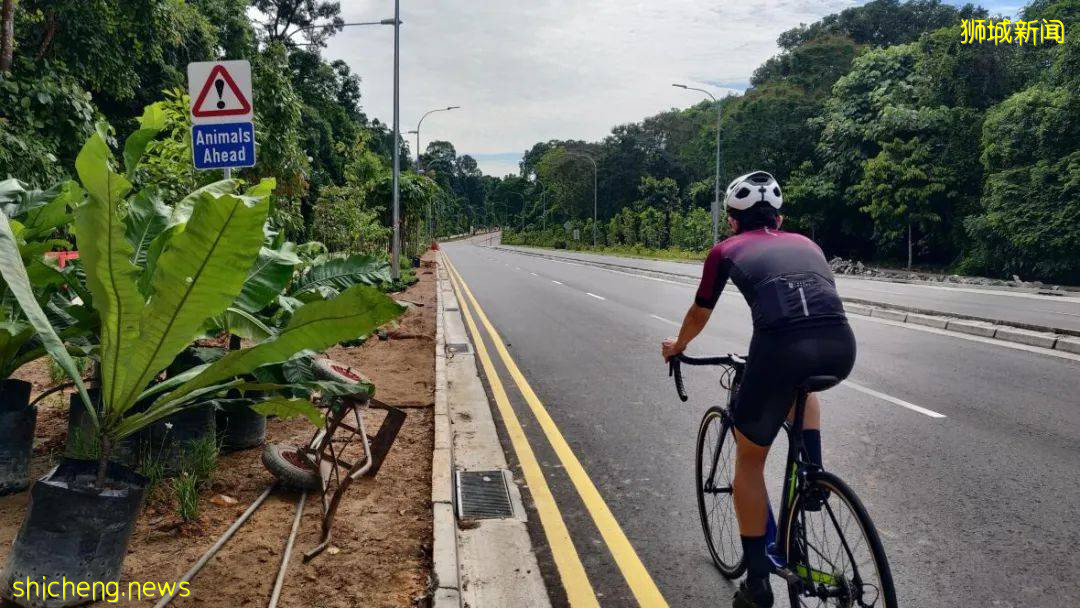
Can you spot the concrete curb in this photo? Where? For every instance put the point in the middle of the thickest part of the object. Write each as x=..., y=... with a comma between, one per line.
x=490, y=562
x=444, y=551
x=1051, y=338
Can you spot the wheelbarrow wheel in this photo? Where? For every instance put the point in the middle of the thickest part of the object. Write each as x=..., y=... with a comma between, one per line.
x=285, y=462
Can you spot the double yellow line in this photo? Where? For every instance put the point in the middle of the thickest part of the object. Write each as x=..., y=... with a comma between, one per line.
x=579, y=590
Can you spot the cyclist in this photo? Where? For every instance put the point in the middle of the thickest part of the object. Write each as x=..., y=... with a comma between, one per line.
x=800, y=330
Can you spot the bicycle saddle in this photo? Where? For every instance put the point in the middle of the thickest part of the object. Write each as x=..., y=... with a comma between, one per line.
x=815, y=384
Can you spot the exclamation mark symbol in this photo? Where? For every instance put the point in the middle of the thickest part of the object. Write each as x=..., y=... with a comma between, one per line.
x=219, y=84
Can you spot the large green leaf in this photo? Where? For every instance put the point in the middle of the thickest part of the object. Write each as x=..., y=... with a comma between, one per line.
x=106, y=257
x=267, y=278
x=342, y=273
x=289, y=408
x=41, y=220
x=182, y=210
x=14, y=273
x=147, y=216
x=197, y=277
x=315, y=326
x=13, y=335
x=241, y=323
x=150, y=124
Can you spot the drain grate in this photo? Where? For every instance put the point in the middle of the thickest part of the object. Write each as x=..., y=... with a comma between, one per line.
x=483, y=495
x=459, y=347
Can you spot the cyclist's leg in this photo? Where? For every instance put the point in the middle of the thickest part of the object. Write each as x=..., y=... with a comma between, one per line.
x=811, y=433
x=761, y=404
x=752, y=503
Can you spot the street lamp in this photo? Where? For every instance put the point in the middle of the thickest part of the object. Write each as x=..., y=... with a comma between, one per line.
x=591, y=160
x=395, y=250
x=716, y=189
x=421, y=121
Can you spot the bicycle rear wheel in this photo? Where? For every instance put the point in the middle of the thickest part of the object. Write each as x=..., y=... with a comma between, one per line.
x=714, y=472
x=836, y=550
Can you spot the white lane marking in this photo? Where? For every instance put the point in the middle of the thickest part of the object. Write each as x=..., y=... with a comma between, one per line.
x=911, y=406
x=665, y=320
x=555, y=282
x=517, y=268
x=953, y=334
x=534, y=274
x=595, y=296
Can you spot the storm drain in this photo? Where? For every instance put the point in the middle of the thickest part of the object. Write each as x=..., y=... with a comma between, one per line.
x=458, y=347
x=483, y=495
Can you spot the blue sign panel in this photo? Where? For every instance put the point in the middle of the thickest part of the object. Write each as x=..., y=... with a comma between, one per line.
x=223, y=145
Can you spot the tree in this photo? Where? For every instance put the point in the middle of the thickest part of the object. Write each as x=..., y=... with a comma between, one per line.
x=1029, y=221
x=904, y=188
x=314, y=20
x=7, y=35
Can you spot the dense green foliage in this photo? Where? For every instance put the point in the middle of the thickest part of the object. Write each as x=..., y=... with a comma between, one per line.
x=75, y=63
x=889, y=136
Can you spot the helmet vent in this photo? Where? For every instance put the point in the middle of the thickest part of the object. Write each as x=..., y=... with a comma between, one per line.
x=776, y=191
x=743, y=192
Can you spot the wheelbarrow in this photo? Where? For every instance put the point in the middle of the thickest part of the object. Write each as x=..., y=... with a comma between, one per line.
x=319, y=465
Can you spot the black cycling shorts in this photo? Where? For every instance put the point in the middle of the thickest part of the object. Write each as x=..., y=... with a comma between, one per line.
x=778, y=362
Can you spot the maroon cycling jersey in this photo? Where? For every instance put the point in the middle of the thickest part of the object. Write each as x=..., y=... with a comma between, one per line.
x=784, y=277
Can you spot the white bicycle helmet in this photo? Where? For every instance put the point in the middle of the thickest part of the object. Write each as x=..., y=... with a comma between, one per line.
x=745, y=191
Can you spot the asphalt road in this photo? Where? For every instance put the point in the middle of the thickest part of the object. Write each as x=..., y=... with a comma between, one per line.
x=979, y=508
x=1013, y=306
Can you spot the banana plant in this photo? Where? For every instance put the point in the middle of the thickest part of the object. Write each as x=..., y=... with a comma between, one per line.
x=193, y=270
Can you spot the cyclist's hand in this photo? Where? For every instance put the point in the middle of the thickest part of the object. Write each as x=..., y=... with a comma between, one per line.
x=670, y=347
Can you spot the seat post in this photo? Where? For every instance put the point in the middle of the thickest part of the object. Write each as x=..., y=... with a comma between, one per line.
x=797, y=421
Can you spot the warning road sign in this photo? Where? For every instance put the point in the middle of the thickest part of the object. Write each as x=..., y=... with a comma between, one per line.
x=222, y=134
x=220, y=92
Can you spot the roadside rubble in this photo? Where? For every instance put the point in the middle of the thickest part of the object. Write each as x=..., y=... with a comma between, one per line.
x=854, y=268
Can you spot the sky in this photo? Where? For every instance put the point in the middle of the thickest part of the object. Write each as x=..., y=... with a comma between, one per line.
x=525, y=71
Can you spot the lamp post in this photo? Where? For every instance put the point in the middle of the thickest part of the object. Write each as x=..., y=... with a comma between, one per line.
x=421, y=121
x=716, y=188
x=591, y=160
x=417, y=132
x=395, y=249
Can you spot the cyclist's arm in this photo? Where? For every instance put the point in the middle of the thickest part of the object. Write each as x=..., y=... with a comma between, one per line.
x=713, y=278
x=696, y=319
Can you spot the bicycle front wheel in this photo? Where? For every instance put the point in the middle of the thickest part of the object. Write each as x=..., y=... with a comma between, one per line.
x=714, y=473
x=835, y=549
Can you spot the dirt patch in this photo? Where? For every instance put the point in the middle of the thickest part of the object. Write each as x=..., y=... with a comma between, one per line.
x=381, y=551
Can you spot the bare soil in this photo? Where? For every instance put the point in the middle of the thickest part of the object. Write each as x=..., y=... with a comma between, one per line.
x=381, y=550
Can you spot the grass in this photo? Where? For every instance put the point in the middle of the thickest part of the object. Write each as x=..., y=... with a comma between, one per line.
x=186, y=487
x=199, y=459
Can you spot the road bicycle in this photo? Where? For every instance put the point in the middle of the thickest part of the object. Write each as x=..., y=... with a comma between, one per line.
x=824, y=546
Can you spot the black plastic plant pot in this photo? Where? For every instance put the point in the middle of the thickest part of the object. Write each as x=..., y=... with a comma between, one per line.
x=14, y=395
x=17, y=421
x=239, y=427
x=173, y=436
x=73, y=531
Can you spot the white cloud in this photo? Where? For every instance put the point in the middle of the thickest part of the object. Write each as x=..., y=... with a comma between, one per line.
x=528, y=71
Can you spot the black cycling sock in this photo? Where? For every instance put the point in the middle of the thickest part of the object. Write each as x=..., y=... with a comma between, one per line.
x=757, y=561
x=812, y=442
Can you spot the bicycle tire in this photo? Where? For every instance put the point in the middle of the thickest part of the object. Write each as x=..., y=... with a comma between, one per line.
x=731, y=563
x=837, y=494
